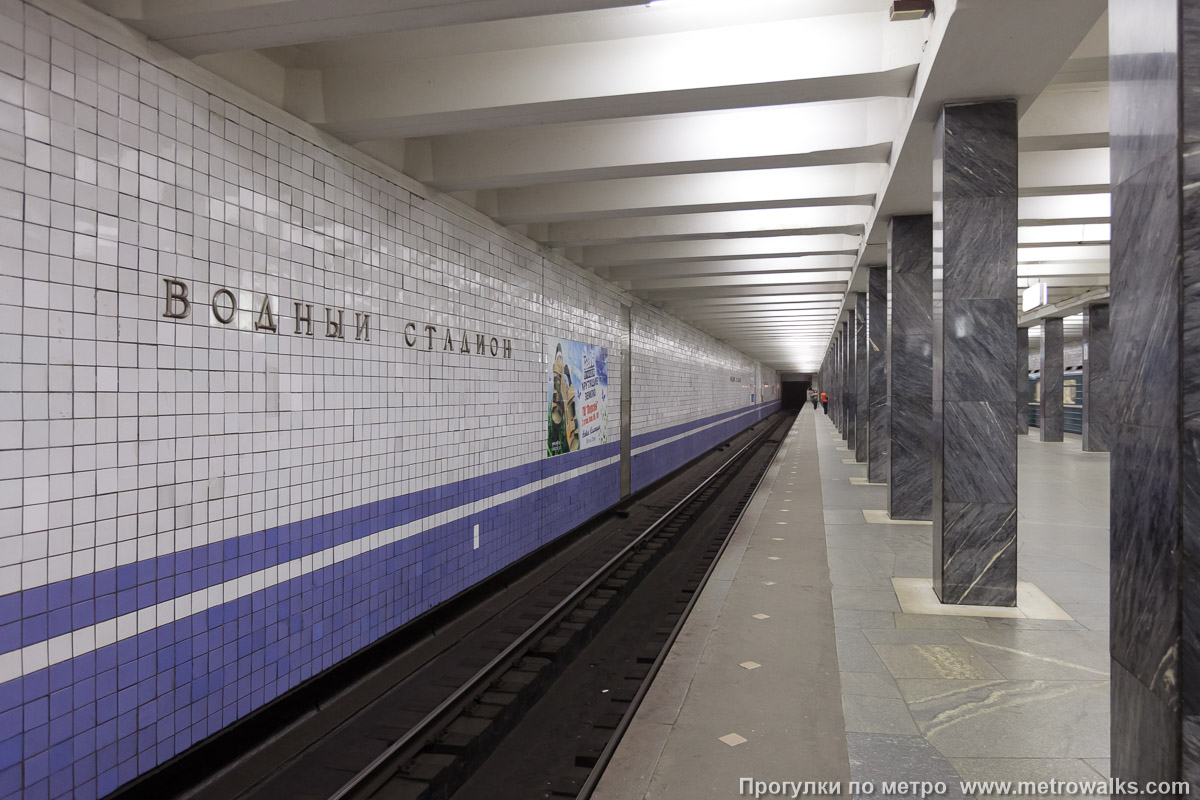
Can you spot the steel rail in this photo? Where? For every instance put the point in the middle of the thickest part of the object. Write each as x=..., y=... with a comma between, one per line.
x=369, y=778
x=593, y=779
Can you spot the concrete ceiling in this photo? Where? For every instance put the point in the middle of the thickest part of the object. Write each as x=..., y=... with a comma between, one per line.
x=735, y=163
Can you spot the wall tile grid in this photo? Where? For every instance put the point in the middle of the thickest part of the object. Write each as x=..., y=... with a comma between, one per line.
x=196, y=517
x=680, y=376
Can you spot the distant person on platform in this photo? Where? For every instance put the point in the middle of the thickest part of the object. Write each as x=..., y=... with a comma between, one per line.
x=812, y=398
x=825, y=402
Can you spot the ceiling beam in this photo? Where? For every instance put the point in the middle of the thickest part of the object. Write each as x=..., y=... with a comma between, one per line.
x=1063, y=308
x=1066, y=118
x=788, y=61
x=678, y=294
x=808, y=134
x=847, y=220
x=759, y=298
x=1014, y=49
x=198, y=27
x=1060, y=172
x=622, y=255
x=818, y=309
x=1065, y=281
x=728, y=281
x=748, y=266
x=846, y=184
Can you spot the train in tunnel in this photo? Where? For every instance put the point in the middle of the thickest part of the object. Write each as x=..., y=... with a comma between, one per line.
x=1072, y=400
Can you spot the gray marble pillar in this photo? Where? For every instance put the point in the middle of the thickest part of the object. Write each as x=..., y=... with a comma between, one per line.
x=974, y=354
x=861, y=394
x=910, y=367
x=833, y=380
x=835, y=398
x=877, y=405
x=827, y=376
x=1098, y=395
x=1154, y=51
x=1023, y=381
x=835, y=387
x=842, y=381
x=822, y=378
x=851, y=385
x=1051, y=406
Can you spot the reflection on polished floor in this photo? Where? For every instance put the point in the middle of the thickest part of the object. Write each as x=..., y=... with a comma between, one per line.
x=938, y=697
x=803, y=605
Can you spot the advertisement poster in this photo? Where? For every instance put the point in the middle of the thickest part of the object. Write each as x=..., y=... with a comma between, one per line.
x=577, y=417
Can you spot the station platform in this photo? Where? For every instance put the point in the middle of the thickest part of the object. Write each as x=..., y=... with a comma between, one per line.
x=800, y=664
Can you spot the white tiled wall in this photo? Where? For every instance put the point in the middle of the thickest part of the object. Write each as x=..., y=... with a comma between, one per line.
x=163, y=481
x=680, y=374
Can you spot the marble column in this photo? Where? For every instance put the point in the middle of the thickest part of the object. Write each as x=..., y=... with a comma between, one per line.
x=834, y=358
x=1051, y=429
x=842, y=381
x=833, y=380
x=827, y=375
x=910, y=367
x=1098, y=397
x=835, y=396
x=861, y=394
x=1022, y=381
x=974, y=354
x=841, y=387
x=851, y=384
x=819, y=378
x=1154, y=111
x=877, y=407
x=835, y=386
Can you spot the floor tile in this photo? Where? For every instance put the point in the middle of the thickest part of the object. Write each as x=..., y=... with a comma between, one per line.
x=870, y=684
x=945, y=661
x=849, y=618
x=1049, y=655
x=880, y=757
x=916, y=596
x=877, y=516
x=1011, y=719
x=930, y=621
x=913, y=636
x=858, y=599
x=867, y=714
x=856, y=654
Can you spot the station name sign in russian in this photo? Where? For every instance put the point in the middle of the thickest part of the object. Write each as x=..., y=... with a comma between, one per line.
x=177, y=304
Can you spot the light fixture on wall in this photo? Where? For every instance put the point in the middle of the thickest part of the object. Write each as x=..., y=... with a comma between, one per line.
x=910, y=9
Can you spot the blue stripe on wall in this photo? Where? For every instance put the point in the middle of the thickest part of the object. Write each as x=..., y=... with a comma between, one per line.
x=34, y=615
x=87, y=725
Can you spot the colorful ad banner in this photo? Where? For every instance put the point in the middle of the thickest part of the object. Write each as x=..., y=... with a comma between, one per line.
x=578, y=396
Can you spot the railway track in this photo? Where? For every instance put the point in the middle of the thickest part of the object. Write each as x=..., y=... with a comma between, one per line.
x=533, y=703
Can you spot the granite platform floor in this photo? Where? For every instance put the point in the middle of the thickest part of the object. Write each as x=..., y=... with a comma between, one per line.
x=835, y=682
